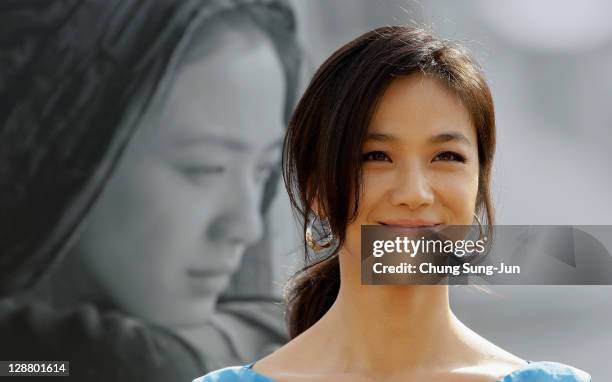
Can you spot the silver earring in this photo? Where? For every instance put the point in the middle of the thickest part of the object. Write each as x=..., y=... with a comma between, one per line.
x=480, y=227
x=319, y=235
x=481, y=236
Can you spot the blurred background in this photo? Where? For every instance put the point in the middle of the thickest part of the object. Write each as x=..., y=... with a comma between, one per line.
x=547, y=63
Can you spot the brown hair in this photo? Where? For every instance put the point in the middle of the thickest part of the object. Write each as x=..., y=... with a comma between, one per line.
x=322, y=151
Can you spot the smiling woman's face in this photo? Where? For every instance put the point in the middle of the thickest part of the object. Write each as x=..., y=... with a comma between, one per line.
x=174, y=221
x=420, y=160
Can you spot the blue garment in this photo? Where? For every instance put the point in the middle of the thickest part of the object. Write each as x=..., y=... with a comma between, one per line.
x=542, y=371
x=545, y=371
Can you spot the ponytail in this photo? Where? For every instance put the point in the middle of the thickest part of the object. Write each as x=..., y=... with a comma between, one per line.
x=311, y=293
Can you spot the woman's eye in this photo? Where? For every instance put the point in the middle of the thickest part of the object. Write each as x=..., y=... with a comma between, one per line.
x=376, y=156
x=449, y=156
x=200, y=173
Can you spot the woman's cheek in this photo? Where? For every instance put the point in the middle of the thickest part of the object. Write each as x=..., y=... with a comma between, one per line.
x=375, y=184
x=457, y=192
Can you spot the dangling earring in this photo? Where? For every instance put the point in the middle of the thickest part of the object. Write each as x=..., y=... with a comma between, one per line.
x=467, y=258
x=480, y=227
x=319, y=234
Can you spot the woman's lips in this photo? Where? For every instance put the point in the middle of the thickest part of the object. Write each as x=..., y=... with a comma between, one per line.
x=205, y=282
x=410, y=223
x=412, y=227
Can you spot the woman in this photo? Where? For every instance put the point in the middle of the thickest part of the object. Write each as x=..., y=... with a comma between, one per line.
x=395, y=129
x=138, y=153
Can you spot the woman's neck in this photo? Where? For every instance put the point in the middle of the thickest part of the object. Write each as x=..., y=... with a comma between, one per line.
x=387, y=329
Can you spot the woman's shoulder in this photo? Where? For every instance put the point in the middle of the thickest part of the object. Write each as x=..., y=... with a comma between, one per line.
x=547, y=371
x=232, y=374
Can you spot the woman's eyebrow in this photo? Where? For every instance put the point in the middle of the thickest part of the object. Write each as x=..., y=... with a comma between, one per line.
x=439, y=138
x=450, y=136
x=381, y=137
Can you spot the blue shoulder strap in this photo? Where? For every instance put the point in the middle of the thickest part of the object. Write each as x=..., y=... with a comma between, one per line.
x=544, y=371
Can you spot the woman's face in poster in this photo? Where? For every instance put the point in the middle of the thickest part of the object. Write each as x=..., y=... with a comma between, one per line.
x=184, y=203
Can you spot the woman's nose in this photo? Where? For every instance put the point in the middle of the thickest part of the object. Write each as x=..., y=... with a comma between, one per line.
x=411, y=188
x=239, y=219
